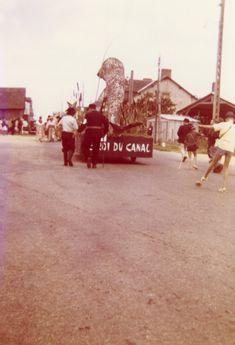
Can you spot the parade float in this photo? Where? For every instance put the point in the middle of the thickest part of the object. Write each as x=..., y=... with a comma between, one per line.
x=127, y=137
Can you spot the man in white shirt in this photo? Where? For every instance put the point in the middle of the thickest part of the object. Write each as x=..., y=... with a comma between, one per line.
x=224, y=146
x=69, y=127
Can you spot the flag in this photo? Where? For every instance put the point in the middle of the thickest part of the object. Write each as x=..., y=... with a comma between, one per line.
x=80, y=98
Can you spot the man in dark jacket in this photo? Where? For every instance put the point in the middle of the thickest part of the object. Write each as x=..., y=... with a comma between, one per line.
x=96, y=126
x=182, y=133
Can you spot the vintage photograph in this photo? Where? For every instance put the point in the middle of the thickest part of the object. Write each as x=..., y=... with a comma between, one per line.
x=117, y=172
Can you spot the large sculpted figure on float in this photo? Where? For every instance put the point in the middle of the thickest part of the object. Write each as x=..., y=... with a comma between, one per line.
x=112, y=72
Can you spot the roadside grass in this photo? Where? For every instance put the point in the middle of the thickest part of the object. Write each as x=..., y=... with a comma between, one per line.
x=174, y=147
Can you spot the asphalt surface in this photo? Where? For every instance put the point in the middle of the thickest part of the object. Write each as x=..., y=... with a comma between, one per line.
x=128, y=254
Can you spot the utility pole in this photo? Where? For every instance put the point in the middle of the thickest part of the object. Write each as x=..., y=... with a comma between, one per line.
x=158, y=101
x=216, y=103
x=78, y=94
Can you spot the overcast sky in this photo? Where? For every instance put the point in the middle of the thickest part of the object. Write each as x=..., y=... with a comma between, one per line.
x=49, y=45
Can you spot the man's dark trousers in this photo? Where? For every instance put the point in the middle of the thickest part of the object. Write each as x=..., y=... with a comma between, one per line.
x=68, y=144
x=92, y=140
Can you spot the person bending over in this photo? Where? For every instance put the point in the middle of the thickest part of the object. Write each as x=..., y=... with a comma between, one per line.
x=224, y=146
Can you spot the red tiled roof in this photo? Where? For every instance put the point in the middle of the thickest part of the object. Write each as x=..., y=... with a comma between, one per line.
x=138, y=84
x=12, y=98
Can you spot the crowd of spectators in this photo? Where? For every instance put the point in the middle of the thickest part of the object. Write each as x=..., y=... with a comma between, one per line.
x=45, y=130
x=13, y=126
x=48, y=130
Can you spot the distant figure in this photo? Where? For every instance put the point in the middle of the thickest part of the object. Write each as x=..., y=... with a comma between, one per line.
x=25, y=126
x=182, y=133
x=11, y=127
x=58, y=131
x=69, y=127
x=4, y=126
x=192, y=144
x=50, y=126
x=224, y=146
x=20, y=125
x=150, y=130
x=96, y=126
x=45, y=125
x=40, y=129
x=16, y=121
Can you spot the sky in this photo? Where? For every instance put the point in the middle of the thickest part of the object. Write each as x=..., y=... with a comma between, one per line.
x=48, y=46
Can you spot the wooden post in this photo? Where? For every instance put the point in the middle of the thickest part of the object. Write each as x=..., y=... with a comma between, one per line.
x=83, y=94
x=78, y=95
x=158, y=113
x=216, y=100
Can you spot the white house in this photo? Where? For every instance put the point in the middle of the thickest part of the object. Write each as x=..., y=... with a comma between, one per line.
x=179, y=95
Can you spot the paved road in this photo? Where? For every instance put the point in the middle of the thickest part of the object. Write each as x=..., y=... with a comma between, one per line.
x=125, y=255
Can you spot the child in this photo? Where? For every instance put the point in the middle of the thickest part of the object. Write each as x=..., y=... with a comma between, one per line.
x=192, y=144
x=182, y=133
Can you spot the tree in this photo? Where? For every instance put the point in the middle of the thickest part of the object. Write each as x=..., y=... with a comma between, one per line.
x=144, y=107
x=167, y=106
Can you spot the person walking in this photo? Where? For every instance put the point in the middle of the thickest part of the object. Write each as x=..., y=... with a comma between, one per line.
x=192, y=145
x=69, y=127
x=96, y=126
x=182, y=133
x=224, y=146
x=40, y=129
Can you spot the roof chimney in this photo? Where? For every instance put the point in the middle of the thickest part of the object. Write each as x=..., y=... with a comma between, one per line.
x=166, y=73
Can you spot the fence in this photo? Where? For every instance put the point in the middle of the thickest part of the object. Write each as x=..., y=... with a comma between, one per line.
x=168, y=126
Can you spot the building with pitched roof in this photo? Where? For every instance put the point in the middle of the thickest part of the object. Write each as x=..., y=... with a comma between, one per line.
x=15, y=104
x=138, y=84
x=203, y=108
x=178, y=94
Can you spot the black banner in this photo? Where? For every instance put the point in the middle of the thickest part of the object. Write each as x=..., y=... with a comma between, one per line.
x=127, y=146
